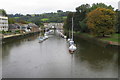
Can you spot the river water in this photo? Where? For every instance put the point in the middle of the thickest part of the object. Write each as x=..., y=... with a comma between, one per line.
x=27, y=58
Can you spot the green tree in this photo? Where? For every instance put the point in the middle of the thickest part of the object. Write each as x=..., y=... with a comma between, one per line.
x=84, y=27
x=118, y=21
x=100, y=5
x=11, y=20
x=68, y=21
x=101, y=21
x=80, y=17
x=3, y=12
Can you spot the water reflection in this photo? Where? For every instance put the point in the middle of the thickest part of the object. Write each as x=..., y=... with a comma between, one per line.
x=29, y=59
x=0, y=61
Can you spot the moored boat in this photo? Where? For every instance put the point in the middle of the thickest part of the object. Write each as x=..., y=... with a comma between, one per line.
x=72, y=46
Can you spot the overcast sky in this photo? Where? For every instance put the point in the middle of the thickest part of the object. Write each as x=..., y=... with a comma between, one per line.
x=44, y=6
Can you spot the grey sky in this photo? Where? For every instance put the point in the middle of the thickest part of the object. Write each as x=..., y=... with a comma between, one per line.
x=44, y=6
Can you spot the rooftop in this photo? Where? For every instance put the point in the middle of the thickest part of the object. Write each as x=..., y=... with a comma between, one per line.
x=3, y=17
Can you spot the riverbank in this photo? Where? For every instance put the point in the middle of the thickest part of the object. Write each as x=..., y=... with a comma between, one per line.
x=10, y=38
x=105, y=42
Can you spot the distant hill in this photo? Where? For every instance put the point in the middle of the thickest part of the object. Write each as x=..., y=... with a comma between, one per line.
x=57, y=17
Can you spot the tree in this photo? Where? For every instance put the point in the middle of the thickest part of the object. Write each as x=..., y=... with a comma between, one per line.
x=11, y=20
x=68, y=21
x=84, y=27
x=59, y=11
x=23, y=22
x=83, y=8
x=100, y=5
x=3, y=12
x=101, y=21
x=80, y=17
x=118, y=21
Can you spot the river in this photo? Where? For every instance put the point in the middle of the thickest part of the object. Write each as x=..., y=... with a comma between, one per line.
x=27, y=58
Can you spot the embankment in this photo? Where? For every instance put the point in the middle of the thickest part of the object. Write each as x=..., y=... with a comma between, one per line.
x=97, y=41
x=17, y=37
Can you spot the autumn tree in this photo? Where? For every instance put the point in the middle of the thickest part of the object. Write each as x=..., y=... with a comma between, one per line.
x=101, y=21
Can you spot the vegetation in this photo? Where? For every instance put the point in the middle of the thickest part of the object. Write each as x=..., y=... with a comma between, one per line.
x=3, y=12
x=44, y=19
x=11, y=20
x=113, y=38
x=118, y=21
x=101, y=21
x=98, y=19
x=38, y=19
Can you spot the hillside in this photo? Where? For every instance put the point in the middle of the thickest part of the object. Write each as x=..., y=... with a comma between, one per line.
x=57, y=17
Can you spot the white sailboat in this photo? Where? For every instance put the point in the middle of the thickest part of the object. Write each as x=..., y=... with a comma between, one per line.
x=43, y=38
x=72, y=46
x=46, y=35
x=69, y=37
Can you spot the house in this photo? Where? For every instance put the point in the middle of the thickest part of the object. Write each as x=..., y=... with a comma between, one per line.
x=14, y=27
x=33, y=27
x=3, y=23
x=23, y=27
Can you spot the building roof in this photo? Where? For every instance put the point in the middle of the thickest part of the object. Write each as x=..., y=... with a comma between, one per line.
x=14, y=26
x=3, y=17
x=32, y=25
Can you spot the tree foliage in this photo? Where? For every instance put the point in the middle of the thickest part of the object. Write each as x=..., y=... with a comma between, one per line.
x=81, y=19
x=101, y=21
x=68, y=21
x=3, y=12
x=11, y=20
x=52, y=17
x=101, y=5
x=118, y=21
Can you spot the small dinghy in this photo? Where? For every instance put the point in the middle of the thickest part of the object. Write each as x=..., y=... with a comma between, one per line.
x=41, y=39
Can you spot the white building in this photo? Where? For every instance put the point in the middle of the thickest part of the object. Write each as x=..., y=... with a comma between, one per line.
x=3, y=23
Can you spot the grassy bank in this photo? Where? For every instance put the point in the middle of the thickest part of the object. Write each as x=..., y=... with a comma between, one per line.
x=114, y=39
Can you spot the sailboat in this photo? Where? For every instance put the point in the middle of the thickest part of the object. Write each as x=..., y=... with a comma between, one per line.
x=46, y=35
x=69, y=37
x=72, y=46
x=43, y=38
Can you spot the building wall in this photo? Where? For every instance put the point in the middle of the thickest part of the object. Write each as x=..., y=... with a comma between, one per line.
x=3, y=23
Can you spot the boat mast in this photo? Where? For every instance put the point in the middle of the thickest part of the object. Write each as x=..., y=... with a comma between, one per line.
x=72, y=28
